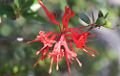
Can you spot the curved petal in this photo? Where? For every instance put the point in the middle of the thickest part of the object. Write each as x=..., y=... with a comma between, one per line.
x=66, y=17
x=80, y=39
x=49, y=14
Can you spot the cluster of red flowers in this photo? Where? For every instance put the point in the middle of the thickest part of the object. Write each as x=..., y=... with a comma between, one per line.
x=62, y=42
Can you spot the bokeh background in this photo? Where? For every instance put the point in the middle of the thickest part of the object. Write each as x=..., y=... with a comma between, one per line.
x=21, y=20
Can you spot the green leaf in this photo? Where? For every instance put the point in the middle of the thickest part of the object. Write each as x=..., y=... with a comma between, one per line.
x=100, y=21
x=85, y=18
x=33, y=15
x=23, y=5
x=5, y=30
x=103, y=13
x=83, y=23
x=15, y=69
x=26, y=6
x=16, y=2
x=108, y=24
x=7, y=10
x=35, y=1
x=100, y=14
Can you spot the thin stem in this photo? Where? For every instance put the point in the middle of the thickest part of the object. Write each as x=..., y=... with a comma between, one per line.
x=60, y=28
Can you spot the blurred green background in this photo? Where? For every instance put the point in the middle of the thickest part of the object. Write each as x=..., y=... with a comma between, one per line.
x=21, y=20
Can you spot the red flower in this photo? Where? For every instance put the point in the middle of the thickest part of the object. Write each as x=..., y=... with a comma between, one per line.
x=62, y=42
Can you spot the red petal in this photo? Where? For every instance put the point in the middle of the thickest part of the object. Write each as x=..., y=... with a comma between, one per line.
x=49, y=14
x=67, y=62
x=66, y=17
x=44, y=52
x=74, y=37
x=48, y=34
x=81, y=40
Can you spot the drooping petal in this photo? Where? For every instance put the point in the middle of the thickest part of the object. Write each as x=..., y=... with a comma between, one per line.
x=75, y=38
x=81, y=43
x=49, y=14
x=81, y=39
x=51, y=64
x=69, y=55
x=43, y=51
x=66, y=17
x=39, y=37
x=43, y=48
x=68, y=63
x=80, y=64
x=91, y=50
x=89, y=53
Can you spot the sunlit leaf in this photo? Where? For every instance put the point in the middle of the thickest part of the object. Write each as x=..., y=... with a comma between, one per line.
x=15, y=69
x=35, y=7
x=5, y=30
x=103, y=13
x=108, y=24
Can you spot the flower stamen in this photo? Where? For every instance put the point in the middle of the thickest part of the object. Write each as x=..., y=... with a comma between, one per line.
x=51, y=64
